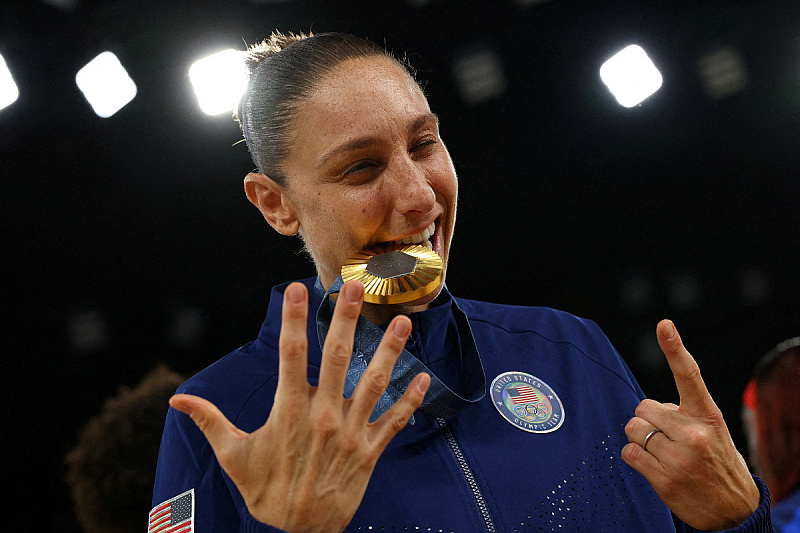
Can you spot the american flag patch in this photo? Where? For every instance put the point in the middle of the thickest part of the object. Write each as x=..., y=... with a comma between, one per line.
x=522, y=394
x=173, y=516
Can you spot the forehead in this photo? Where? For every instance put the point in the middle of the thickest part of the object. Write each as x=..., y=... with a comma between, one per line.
x=366, y=76
x=365, y=96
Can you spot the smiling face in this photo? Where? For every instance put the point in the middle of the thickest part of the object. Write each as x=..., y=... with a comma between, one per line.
x=366, y=166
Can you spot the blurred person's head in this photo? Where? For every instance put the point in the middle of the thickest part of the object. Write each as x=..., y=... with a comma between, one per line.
x=771, y=414
x=111, y=471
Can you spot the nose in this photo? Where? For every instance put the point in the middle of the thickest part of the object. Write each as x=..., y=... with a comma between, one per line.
x=412, y=190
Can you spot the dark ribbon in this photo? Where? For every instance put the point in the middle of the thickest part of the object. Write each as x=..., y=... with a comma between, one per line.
x=440, y=400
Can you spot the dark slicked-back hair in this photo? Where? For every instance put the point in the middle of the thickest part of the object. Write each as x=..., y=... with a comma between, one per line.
x=283, y=70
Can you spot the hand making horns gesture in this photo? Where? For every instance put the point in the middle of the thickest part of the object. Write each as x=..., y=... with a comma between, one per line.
x=306, y=469
x=686, y=451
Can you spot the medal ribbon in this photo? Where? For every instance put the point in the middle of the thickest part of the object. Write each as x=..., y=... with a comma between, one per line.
x=440, y=400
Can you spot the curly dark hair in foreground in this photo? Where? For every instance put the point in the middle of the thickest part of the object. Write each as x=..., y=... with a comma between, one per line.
x=111, y=471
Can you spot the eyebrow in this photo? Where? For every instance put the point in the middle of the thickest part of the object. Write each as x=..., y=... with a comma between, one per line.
x=366, y=142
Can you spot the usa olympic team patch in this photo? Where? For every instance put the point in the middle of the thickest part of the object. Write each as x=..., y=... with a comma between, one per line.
x=527, y=402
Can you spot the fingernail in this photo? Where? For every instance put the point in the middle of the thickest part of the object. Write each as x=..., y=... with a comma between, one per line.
x=352, y=292
x=294, y=293
x=669, y=330
x=422, y=386
x=402, y=328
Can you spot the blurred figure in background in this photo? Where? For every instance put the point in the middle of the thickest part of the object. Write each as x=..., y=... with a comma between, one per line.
x=111, y=471
x=771, y=417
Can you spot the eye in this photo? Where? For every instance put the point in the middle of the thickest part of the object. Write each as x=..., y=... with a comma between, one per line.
x=424, y=145
x=359, y=166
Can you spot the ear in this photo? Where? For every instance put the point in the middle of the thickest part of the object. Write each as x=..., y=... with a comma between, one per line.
x=273, y=202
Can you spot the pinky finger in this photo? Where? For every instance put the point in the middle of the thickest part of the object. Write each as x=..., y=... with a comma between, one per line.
x=396, y=418
x=643, y=462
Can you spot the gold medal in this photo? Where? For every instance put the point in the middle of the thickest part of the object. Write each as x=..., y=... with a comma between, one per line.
x=395, y=273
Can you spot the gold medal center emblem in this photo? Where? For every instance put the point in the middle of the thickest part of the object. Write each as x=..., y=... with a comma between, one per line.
x=395, y=273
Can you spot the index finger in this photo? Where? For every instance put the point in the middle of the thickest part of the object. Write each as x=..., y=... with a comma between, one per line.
x=695, y=398
x=292, y=342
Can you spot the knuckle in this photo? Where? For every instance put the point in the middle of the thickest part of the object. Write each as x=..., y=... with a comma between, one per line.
x=399, y=422
x=632, y=425
x=294, y=347
x=326, y=421
x=201, y=421
x=676, y=347
x=351, y=443
x=692, y=372
x=645, y=407
x=697, y=439
x=377, y=382
x=338, y=354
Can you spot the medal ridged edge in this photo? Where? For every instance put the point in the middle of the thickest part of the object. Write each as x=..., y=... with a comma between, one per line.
x=427, y=275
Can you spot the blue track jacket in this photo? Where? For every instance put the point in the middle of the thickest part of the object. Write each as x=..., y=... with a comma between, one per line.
x=539, y=452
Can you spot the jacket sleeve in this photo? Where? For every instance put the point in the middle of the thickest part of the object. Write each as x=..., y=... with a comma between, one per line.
x=759, y=522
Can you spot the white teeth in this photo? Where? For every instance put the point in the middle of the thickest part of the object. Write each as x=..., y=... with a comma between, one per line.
x=419, y=237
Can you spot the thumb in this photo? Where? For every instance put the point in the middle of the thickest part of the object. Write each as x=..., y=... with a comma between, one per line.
x=219, y=431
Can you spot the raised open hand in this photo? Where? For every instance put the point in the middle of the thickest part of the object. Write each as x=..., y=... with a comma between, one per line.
x=691, y=462
x=306, y=469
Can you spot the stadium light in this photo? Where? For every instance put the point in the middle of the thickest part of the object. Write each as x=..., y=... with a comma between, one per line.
x=219, y=81
x=631, y=76
x=9, y=92
x=105, y=84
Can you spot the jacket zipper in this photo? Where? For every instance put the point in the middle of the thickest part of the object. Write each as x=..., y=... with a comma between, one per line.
x=465, y=469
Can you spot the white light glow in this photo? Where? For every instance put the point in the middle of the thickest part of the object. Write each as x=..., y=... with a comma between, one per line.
x=105, y=84
x=480, y=76
x=8, y=89
x=723, y=72
x=631, y=76
x=219, y=81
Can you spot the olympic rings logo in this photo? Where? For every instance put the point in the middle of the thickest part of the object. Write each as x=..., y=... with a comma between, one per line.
x=533, y=412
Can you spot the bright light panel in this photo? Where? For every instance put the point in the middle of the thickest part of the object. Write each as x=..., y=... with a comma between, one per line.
x=631, y=76
x=105, y=84
x=219, y=81
x=8, y=89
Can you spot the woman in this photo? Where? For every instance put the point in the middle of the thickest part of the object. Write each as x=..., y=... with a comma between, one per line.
x=349, y=156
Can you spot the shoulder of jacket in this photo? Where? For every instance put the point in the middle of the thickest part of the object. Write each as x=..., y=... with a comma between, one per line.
x=520, y=318
x=231, y=381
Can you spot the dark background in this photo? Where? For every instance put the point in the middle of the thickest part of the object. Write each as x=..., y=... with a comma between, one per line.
x=129, y=240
